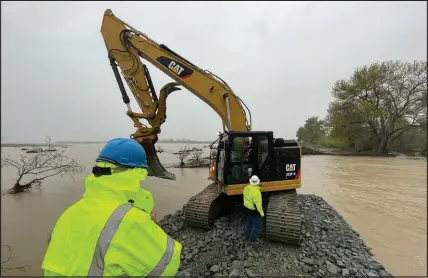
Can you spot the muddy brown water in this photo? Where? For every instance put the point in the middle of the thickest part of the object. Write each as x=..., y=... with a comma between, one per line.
x=384, y=199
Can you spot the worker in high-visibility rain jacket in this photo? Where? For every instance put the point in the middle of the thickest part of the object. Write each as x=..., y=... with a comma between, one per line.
x=110, y=231
x=254, y=209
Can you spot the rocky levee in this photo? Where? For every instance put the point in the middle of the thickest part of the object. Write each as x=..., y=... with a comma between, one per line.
x=330, y=247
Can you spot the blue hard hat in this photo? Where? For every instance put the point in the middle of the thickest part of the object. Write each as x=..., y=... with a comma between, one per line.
x=123, y=152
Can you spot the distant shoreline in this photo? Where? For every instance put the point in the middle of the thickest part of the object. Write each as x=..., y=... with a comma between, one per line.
x=65, y=143
x=160, y=141
x=17, y=145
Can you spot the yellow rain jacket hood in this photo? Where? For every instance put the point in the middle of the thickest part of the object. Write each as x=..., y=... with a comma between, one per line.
x=122, y=186
x=104, y=234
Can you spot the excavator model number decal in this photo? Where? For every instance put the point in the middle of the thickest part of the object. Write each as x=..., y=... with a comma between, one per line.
x=177, y=68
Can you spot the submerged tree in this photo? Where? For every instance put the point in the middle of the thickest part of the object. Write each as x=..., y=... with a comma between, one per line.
x=182, y=154
x=159, y=149
x=196, y=155
x=8, y=258
x=36, y=167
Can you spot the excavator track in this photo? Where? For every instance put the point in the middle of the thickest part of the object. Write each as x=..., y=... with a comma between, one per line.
x=283, y=219
x=202, y=209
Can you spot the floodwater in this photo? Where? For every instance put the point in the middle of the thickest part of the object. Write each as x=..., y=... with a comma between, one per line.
x=384, y=199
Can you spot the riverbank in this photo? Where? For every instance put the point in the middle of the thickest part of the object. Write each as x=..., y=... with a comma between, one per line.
x=330, y=247
x=305, y=151
x=197, y=165
x=341, y=152
x=24, y=145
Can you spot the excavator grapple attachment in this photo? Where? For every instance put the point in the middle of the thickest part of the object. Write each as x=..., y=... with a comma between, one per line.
x=155, y=167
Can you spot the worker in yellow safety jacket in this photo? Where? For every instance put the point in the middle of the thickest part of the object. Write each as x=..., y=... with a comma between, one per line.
x=111, y=231
x=254, y=209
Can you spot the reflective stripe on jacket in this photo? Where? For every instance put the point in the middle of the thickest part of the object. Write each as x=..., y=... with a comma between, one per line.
x=253, y=198
x=105, y=236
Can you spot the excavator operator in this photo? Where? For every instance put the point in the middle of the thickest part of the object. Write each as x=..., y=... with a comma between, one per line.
x=110, y=231
x=247, y=149
x=254, y=209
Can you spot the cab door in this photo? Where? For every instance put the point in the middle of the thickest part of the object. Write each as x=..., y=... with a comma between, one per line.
x=242, y=160
x=263, y=157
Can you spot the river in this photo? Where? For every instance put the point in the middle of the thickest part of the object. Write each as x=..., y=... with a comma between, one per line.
x=384, y=199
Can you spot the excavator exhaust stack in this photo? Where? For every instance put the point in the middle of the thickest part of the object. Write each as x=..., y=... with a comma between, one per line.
x=155, y=167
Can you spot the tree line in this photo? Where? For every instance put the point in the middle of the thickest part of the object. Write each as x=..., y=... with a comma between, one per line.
x=380, y=108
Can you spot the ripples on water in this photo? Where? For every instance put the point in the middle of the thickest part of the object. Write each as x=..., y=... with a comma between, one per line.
x=384, y=199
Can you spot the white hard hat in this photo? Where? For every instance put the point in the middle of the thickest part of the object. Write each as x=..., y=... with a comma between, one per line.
x=254, y=180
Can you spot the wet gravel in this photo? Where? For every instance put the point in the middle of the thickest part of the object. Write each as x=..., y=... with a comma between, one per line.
x=330, y=247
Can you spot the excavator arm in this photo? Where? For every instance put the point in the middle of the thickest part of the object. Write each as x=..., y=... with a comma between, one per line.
x=125, y=46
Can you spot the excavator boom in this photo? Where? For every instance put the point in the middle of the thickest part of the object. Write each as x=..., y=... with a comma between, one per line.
x=125, y=46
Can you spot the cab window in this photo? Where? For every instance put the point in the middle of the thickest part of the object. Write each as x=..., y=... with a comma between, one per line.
x=241, y=167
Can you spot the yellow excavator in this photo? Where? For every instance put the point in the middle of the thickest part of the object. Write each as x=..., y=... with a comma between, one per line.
x=240, y=152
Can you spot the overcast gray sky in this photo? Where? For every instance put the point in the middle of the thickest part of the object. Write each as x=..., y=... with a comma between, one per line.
x=281, y=58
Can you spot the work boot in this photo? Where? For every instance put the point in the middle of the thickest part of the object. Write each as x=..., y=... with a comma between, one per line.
x=254, y=243
x=250, y=243
x=246, y=237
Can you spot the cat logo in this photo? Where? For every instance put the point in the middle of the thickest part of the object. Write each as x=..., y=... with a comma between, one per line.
x=175, y=68
x=290, y=167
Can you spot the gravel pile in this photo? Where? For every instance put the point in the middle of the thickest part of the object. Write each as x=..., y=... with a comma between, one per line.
x=330, y=247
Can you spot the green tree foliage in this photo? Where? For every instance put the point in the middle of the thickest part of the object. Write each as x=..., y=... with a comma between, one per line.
x=412, y=140
x=312, y=132
x=378, y=106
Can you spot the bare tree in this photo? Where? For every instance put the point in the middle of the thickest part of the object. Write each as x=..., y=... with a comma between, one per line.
x=159, y=149
x=182, y=154
x=9, y=257
x=48, y=140
x=196, y=155
x=50, y=148
x=38, y=167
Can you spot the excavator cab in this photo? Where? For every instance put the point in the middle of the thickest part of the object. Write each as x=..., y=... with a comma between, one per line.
x=243, y=154
x=246, y=154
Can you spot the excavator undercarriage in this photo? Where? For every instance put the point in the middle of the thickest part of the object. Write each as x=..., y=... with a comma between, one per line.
x=282, y=212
